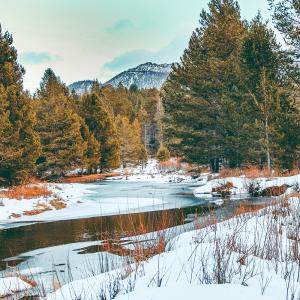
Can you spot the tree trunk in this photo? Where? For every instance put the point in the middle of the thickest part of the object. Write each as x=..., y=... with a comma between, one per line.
x=268, y=145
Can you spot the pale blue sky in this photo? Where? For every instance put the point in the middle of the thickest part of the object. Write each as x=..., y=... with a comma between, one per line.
x=99, y=38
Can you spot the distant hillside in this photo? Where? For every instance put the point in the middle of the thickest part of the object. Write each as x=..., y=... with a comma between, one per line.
x=81, y=87
x=148, y=75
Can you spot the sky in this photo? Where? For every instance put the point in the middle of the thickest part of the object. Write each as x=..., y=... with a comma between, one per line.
x=89, y=39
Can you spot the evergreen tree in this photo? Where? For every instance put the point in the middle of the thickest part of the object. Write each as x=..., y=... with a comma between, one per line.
x=93, y=154
x=59, y=127
x=19, y=147
x=267, y=73
x=117, y=100
x=132, y=149
x=196, y=88
x=163, y=153
x=232, y=102
x=286, y=15
x=99, y=121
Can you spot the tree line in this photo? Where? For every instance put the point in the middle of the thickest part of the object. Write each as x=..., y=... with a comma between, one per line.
x=56, y=130
x=232, y=100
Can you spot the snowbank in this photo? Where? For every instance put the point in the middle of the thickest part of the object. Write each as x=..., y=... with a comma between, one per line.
x=251, y=256
x=240, y=185
x=79, y=204
x=11, y=285
x=151, y=172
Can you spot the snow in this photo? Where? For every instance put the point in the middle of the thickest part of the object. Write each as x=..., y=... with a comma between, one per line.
x=181, y=291
x=147, y=75
x=250, y=256
x=240, y=185
x=80, y=201
x=151, y=172
x=11, y=285
x=78, y=205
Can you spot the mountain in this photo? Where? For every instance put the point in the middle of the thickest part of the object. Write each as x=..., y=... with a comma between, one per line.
x=147, y=75
x=81, y=87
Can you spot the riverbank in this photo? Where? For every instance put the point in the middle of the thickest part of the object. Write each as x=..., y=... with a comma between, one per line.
x=251, y=256
x=69, y=200
x=80, y=197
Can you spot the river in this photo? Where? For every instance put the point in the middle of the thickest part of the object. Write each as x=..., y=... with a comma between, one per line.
x=52, y=248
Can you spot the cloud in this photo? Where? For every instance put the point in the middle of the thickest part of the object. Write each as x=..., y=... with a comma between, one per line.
x=36, y=58
x=168, y=54
x=129, y=59
x=121, y=25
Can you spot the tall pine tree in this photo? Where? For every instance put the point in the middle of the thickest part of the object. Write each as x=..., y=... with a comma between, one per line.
x=19, y=147
x=194, y=93
x=100, y=122
x=59, y=127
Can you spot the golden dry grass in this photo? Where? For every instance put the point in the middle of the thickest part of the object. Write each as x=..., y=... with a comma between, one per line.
x=244, y=208
x=88, y=178
x=255, y=172
x=58, y=204
x=26, y=192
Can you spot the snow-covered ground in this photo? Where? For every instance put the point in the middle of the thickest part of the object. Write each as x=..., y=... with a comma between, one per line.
x=251, y=256
x=12, y=285
x=79, y=201
x=79, y=204
x=151, y=172
x=241, y=185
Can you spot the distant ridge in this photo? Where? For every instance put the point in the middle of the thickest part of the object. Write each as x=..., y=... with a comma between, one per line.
x=81, y=87
x=144, y=76
x=148, y=75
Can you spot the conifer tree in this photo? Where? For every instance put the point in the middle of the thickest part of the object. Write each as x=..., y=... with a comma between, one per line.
x=99, y=121
x=163, y=153
x=117, y=100
x=59, y=127
x=93, y=154
x=286, y=15
x=208, y=73
x=267, y=73
x=132, y=149
x=19, y=147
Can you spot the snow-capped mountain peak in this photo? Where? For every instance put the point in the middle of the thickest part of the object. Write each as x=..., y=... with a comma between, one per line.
x=147, y=75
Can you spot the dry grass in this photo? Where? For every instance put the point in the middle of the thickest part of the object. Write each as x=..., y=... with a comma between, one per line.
x=15, y=216
x=244, y=208
x=36, y=211
x=249, y=172
x=26, y=192
x=255, y=172
x=58, y=204
x=88, y=178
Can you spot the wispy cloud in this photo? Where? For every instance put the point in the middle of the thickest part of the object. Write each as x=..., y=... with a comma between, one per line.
x=121, y=25
x=168, y=54
x=36, y=58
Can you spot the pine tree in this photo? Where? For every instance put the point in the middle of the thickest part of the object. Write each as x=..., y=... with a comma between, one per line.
x=117, y=100
x=267, y=73
x=59, y=127
x=133, y=150
x=163, y=153
x=19, y=147
x=208, y=74
x=99, y=121
x=286, y=15
x=93, y=154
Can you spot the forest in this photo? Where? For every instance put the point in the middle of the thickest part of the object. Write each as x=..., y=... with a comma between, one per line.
x=230, y=102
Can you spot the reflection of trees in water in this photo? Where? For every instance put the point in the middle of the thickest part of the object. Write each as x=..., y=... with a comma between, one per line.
x=18, y=240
